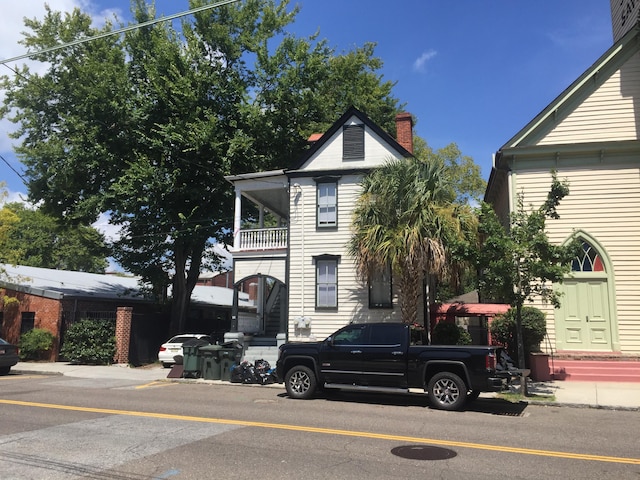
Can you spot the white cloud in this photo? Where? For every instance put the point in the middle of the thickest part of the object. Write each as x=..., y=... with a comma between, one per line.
x=420, y=62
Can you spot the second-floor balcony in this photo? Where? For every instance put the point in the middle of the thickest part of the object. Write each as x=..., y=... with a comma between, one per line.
x=263, y=239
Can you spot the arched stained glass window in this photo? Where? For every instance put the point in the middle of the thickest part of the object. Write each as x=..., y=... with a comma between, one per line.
x=589, y=261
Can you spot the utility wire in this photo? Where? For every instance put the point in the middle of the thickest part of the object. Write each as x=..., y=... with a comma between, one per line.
x=122, y=30
x=14, y=170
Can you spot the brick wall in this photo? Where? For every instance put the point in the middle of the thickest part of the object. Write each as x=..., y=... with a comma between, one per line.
x=48, y=316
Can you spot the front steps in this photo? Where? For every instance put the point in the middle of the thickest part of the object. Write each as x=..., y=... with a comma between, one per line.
x=261, y=352
x=589, y=369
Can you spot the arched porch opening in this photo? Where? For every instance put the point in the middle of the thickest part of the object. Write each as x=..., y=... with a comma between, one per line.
x=259, y=306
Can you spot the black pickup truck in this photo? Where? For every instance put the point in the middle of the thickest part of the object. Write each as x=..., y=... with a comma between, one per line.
x=392, y=358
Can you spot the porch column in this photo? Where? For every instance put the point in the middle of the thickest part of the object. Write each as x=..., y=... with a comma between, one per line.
x=237, y=212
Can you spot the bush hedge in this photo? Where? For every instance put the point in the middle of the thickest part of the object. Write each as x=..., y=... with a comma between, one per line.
x=36, y=344
x=534, y=328
x=446, y=333
x=90, y=342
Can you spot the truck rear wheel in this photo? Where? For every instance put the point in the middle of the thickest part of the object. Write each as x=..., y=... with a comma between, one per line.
x=300, y=382
x=447, y=391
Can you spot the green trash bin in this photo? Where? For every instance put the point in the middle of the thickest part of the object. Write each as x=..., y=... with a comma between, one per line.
x=191, y=359
x=210, y=361
x=230, y=355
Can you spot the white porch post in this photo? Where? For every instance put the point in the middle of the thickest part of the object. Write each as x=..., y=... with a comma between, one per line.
x=237, y=212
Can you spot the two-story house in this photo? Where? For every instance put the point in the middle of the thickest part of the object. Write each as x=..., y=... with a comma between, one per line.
x=590, y=134
x=304, y=278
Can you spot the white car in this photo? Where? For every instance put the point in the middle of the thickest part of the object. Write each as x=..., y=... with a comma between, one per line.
x=172, y=348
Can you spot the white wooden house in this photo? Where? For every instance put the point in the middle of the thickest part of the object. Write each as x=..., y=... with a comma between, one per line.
x=297, y=270
x=590, y=134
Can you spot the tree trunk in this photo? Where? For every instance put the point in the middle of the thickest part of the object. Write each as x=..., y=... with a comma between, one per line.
x=184, y=281
x=409, y=294
x=520, y=340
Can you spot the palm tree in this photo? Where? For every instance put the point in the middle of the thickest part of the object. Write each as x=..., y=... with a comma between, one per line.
x=405, y=218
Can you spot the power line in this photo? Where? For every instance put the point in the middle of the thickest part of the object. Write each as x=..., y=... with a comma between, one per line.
x=122, y=30
x=14, y=170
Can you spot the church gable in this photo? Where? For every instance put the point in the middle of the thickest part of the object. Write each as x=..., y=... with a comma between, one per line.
x=601, y=105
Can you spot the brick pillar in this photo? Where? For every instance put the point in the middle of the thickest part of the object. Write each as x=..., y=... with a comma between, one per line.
x=123, y=334
x=404, y=130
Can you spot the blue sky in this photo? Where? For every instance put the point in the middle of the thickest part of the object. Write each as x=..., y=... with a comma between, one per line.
x=473, y=72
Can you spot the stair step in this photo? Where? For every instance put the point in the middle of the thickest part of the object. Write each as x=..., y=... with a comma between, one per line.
x=596, y=371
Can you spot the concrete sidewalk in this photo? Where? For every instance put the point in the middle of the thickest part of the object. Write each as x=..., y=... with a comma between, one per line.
x=613, y=395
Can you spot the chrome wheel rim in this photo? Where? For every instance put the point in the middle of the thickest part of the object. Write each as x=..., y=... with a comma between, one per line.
x=300, y=382
x=446, y=391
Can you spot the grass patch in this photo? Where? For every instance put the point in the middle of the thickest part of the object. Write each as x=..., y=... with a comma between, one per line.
x=515, y=397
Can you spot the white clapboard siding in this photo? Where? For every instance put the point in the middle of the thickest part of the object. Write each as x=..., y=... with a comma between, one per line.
x=604, y=202
x=307, y=242
x=610, y=113
x=624, y=15
x=274, y=267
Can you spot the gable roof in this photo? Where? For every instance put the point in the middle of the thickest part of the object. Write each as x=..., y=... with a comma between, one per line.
x=610, y=62
x=352, y=111
x=524, y=141
x=59, y=284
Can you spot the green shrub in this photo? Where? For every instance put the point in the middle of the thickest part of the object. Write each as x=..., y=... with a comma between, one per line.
x=36, y=344
x=90, y=342
x=446, y=333
x=534, y=328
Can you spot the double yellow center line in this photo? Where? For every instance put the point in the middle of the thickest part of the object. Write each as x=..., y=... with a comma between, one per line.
x=331, y=431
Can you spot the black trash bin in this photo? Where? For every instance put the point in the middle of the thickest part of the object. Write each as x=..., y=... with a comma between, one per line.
x=191, y=361
x=210, y=361
x=230, y=355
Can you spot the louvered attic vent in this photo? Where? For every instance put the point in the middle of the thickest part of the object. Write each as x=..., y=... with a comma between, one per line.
x=353, y=142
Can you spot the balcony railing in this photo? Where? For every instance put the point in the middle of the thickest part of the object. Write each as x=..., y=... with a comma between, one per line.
x=263, y=239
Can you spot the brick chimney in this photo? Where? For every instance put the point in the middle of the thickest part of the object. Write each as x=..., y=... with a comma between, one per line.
x=404, y=130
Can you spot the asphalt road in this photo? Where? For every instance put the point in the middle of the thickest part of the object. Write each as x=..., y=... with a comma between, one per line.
x=70, y=428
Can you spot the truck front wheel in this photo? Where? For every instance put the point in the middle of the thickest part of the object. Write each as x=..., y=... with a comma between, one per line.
x=300, y=382
x=447, y=391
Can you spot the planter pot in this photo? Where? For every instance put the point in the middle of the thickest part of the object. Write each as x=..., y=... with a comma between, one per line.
x=539, y=364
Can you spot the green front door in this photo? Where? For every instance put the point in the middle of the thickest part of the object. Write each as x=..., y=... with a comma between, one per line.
x=583, y=321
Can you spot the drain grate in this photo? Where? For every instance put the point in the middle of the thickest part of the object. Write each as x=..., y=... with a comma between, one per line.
x=423, y=452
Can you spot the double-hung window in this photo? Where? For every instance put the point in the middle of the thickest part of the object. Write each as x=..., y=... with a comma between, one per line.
x=327, y=281
x=327, y=214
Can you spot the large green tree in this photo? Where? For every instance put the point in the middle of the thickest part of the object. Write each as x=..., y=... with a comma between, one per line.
x=146, y=125
x=517, y=262
x=406, y=217
x=8, y=221
x=41, y=240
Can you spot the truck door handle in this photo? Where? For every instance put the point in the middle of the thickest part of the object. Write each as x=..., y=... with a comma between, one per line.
x=356, y=351
x=397, y=353
x=587, y=318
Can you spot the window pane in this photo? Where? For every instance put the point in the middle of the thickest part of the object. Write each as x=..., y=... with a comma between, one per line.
x=589, y=261
x=327, y=204
x=386, y=335
x=327, y=288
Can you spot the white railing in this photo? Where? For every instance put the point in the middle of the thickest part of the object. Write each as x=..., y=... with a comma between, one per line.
x=263, y=239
